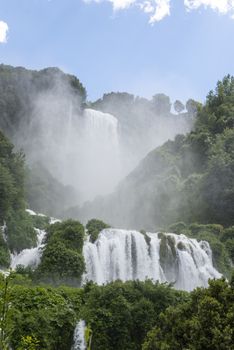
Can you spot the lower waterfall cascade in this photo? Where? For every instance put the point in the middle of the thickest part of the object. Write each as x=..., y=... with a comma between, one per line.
x=130, y=255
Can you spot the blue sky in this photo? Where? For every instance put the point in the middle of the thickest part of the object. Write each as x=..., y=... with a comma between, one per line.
x=111, y=46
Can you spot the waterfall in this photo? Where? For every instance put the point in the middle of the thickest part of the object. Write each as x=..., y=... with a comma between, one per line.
x=79, y=336
x=130, y=255
x=78, y=148
x=99, y=162
x=102, y=126
x=31, y=256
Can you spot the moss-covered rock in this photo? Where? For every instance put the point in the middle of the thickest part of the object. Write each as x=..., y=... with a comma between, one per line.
x=146, y=237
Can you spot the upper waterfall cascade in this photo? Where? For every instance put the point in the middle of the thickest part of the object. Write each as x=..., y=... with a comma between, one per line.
x=101, y=125
x=130, y=255
x=100, y=163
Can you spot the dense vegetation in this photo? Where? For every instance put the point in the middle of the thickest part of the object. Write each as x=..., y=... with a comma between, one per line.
x=204, y=322
x=94, y=227
x=62, y=260
x=19, y=232
x=131, y=315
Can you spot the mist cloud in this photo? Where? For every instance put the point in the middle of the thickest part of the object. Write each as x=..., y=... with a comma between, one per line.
x=159, y=9
x=3, y=32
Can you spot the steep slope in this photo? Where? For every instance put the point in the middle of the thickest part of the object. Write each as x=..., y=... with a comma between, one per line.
x=21, y=92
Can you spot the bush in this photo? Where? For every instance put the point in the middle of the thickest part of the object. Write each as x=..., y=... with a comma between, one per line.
x=20, y=232
x=62, y=260
x=178, y=227
x=40, y=221
x=94, y=227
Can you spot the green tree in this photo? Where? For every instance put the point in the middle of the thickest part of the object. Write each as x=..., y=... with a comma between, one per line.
x=161, y=104
x=94, y=227
x=62, y=260
x=204, y=322
x=178, y=106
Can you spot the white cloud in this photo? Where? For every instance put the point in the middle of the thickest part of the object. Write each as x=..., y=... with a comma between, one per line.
x=159, y=9
x=3, y=32
x=162, y=9
x=117, y=4
x=222, y=6
x=122, y=4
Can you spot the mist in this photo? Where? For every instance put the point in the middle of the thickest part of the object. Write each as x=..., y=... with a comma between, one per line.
x=92, y=146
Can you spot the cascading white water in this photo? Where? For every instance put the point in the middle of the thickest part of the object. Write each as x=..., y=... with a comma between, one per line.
x=99, y=161
x=130, y=255
x=102, y=126
x=31, y=256
x=126, y=255
x=79, y=336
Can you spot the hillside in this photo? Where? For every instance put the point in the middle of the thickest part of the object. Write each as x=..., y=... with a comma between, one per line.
x=189, y=179
x=68, y=141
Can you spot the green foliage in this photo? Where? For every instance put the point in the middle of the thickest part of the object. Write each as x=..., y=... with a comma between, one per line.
x=192, y=107
x=94, y=227
x=70, y=232
x=203, y=322
x=28, y=343
x=4, y=308
x=62, y=260
x=40, y=221
x=42, y=318
x=132, y=315
x=11, y=179
x=20, y=232
x=120, y=314
x=177, y=227
x=4, y=252
x=88, y=337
